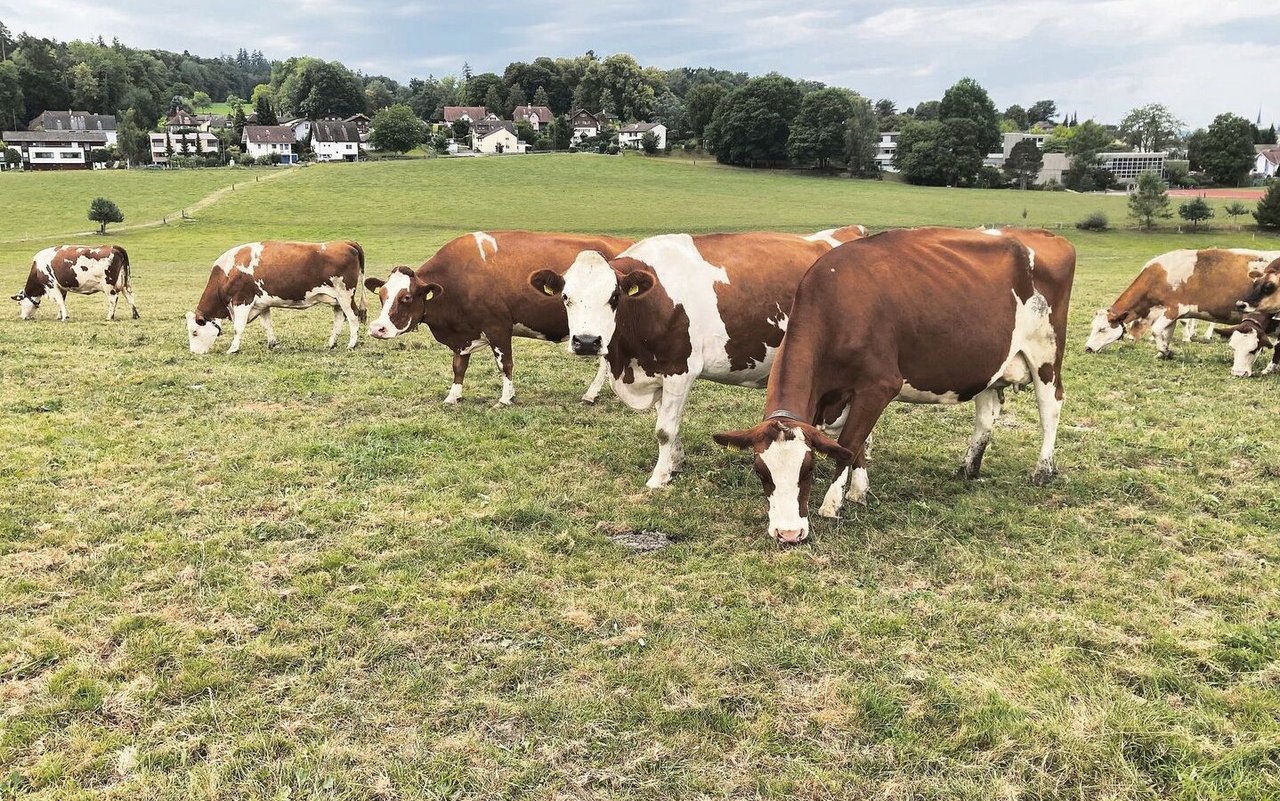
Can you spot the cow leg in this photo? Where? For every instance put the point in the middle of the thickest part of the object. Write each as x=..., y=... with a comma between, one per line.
x=1162, y=333
x=675, y=392
x=128, y=296
x=501, y=345
x=60, y=298
x=337, y=326
x=864, y=410
x=1188, y=329
x=239, y=319
x=597, y=383
x=1208, y=332
x=1275, y=361
x=460, y=362
x=265, y=319
x=353, y=320
x=986, y=409
x=112, y=299
x=1049, y=402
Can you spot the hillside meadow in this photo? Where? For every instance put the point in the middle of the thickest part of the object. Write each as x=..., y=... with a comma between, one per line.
x=295, y=574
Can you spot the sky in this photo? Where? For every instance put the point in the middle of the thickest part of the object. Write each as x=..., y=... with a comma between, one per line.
x=1095, y=58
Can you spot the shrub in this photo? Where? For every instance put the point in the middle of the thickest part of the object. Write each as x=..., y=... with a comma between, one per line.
x=1195, y=211
x=244, y=160
x=1096, y=221
x=990, y=178
x=1268, y=212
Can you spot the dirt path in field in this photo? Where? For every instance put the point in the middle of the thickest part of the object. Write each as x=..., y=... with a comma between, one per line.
x=173, y=216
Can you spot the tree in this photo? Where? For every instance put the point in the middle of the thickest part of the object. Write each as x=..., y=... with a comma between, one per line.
x=266, y=114
x=670, y=111
x=818, y=131
x=317, y=89
x=1235, y=209
x=238, y=121
x=11, y=107
x=966, y=99
x=649, y=143
x=561, y=133
x=1149, y=200
x=926, y=111
x=940, y=152
x=1195, y=211
x=1088, y=137
x=1042, y=111
x=1228, y=153
x=479, y=87
x=377, y=95
x=700, y=105
x=103, y=211
x=396, y=129
x=1018, y=116
x=618, y=84
x=861, y=140
x=1152, y=127
x=493, y=101
x=12, y=157
x=752, y=123
x=541, y=98
x=201, y=100
x=1267, y=213
x=515, y=99
x=461, y=128
x=1024, y=162
x=886, y=113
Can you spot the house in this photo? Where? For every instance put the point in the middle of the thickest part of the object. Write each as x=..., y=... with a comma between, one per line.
x=181, y=120
x=469, y=113
x=885, y=148
x=1267, y=161
x=75, y=121
x=363, y=124
x=586, y=124
x=490, y=136
x=182, y=143
x=56, y=150
x=537, y=116
x=212, y=122
x=269, y=140
x=335, y=140
x=632, y=134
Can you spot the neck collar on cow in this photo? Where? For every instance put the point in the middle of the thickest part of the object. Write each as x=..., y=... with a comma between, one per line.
x=216, y=325
x=785, y=415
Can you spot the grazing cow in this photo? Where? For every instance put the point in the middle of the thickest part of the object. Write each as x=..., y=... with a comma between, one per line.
x=1201, y=284
x=1263, y=294
x=250, y=280
x=674, y=308
x=1248, y=338
x=931, y=315
x=80, y=269
x=473, y=293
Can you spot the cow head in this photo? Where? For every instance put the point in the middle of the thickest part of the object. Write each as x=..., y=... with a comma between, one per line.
x=403, y=298
x=1264, y=295
x=1246, y=340
x=1105, y=329
x=201, y=332
x=783, y=452
x=592, y=291
x=26, y=305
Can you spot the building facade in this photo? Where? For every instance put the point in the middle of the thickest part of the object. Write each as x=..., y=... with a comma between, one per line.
x=335, y=140
x=632, y=134
x=269, y=140
x=56, y=150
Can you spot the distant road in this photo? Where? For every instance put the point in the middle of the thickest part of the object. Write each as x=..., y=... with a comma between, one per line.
x=1225, y=194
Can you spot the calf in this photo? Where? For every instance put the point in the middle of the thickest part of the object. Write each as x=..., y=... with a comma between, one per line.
x=1247, y=338
x=80, y=269
x=674, y=308
x=931, y=315
x=1201, y=284
x=250, y=280
x=473, y=294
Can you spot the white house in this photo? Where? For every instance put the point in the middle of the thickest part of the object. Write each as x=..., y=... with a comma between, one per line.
x=497, y=137
x=76, y=121
x=269, y=140
x=55, y=150
x=585, y=124
x=1268, y=161
x=632, y=134
x=885, y=148
x=335, y=140
x=184, y=143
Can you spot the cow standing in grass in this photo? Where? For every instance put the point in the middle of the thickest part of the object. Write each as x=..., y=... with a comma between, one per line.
x=1198, y=284
x=931, y=315
x=250, y=280
x=1248, y=338
x=674, y=308
x=474, y=294
x=81, y=269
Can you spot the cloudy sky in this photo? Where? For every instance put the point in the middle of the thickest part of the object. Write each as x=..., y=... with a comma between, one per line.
x=1097, y=58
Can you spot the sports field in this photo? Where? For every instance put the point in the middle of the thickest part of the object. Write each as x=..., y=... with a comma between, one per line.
x=296, y=575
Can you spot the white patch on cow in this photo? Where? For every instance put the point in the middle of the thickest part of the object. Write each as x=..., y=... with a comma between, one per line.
x=476, y=344
x=521, y=330
x=1178, y=266
x=455, y=394
x=1031, y=258
x=1187, y=309
x=483, y=239
x=1031, y=344
x=1245, y=345
x=827, y=236
x=589, y=283
x=383, y=327
x=200, y=338
x=227, y=260
x=861, y=484
x=993, y=232
x=26, y=308
x=784, y=458
x=909, y=394
x=1102, y=332
x=642, y=393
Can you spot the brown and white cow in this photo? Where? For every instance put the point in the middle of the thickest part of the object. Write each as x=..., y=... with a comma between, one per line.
x=474, y=293
x=674, y=308
x=250, y=280
x=1248, y=338
x=931, y=315
x=1200, y=284
x=81, y=269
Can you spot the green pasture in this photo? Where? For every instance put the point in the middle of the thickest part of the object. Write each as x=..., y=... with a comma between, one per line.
x=296, y=575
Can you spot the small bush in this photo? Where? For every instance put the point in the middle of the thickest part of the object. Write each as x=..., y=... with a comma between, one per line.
x=1096, y=221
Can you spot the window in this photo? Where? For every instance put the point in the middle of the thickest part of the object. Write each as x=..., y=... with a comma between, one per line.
x=72, y=155
x=43, y=154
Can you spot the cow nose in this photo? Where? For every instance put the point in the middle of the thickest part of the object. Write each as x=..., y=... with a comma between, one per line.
x=1088, y=349
x=1242, y=373
x=378, y=331
x=793, y=536
x=585, y=345
x=1242, y=306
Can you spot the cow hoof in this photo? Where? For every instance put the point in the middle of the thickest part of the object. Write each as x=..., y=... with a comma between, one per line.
x=135, y=314
x=1269, y=369
x=590, y=400
x=655, y=482
x=272, y=344
x=501, y=404
x=966, y=472
x=1043, y=475
x=831, y=511
x=1164, y=355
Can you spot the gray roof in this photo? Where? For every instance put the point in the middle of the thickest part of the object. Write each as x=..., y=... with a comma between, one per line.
x=334, y=131
x=268, y=134
x=53, y=137
x=73, y=121
x=639, y=127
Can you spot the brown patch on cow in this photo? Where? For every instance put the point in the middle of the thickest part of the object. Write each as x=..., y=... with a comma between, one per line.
x=285, y=270
x=1218, y=280
x=64, y=265
x=652, y=330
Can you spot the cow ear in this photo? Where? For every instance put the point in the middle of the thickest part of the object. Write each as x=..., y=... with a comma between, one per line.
x=829, y=447
x=373, y=284
x=548, y=282
x=431, y=290
x=735, y=440
x=635, y=284
x=15, y=297
x=1226, y=331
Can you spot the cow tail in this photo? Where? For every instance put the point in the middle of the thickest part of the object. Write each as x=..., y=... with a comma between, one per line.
x=362, y=313
x=125, y=272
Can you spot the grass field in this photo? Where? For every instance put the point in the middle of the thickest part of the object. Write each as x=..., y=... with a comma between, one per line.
x=294, y=574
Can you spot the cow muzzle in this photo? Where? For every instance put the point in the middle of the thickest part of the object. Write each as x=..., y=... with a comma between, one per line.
x=586, y=345
x=1244, y=306
x=793, y=536
x=381, y=330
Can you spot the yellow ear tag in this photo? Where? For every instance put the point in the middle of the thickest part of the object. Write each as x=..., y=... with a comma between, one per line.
x=547, y=289
x=633, y=290
x=431, y=294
